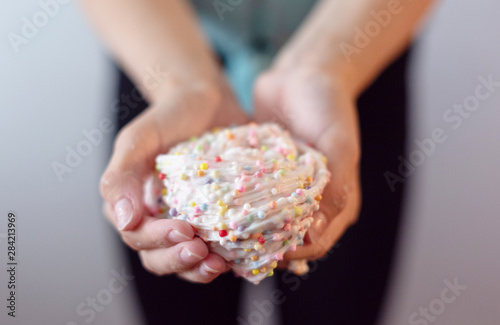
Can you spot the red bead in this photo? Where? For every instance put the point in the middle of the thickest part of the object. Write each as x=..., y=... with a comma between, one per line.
x=262, y=240
x=223, y=233
x=218, y=159
x=161, y=176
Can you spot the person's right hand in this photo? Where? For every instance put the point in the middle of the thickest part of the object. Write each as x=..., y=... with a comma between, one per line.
x=165, y=246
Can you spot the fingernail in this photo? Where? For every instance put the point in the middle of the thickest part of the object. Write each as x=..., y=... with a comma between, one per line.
x=209, y=269
x=190, y=257
x=176, y=236
x=123, y=212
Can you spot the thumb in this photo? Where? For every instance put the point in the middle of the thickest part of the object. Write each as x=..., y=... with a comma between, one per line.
x=266, y=96
x=134, y=152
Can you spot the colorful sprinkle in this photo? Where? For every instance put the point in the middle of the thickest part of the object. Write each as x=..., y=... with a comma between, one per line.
x=223, y=233
x=203, y=166
x=161, y=176
x=218, y=159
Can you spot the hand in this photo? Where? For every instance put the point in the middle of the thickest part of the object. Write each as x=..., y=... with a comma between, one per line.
x=318, y=109
x=165, y=246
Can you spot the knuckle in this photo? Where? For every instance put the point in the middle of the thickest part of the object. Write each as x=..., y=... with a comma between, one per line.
x=160, y=238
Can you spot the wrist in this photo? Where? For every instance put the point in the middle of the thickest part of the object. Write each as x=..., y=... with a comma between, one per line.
x=308, y=64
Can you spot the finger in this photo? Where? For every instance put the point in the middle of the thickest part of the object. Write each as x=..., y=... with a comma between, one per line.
x=178, y=258
x=154, y=233
x=337, y=226
x=205, y=271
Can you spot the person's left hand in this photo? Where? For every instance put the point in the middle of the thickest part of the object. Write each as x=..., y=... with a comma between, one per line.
x=317, y=108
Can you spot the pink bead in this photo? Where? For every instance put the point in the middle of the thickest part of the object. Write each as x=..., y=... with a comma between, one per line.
x=233, y=224
x=241, y=188
x=243, y=178
x=288, y=219
x=293, y=248
x=258, y=174
x=252, y=141
x=251, y=132
x=287, y=227
x=299, y=191
x=258, y=186
x=276, y=237
x=197, y=210
x=278, y=256
x=260, y=163
x=244, y=212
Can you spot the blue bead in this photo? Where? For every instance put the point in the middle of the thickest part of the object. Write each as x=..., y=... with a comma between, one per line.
x=238, y=261
x=204, y=207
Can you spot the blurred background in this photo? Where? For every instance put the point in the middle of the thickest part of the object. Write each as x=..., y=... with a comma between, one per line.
x=58, y=85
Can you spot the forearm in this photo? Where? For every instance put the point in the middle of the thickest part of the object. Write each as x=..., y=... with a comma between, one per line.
x=331, y=38
x=155, y=35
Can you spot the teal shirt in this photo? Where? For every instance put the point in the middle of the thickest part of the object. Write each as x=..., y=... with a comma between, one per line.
x=247, y=34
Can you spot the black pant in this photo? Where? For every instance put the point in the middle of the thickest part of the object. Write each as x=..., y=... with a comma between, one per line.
x=345, y=288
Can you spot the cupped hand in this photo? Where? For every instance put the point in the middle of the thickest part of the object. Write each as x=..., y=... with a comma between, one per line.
x=165, y=246
x=319, y=109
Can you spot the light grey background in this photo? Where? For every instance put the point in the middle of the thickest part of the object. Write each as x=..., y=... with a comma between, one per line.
x=61, y=83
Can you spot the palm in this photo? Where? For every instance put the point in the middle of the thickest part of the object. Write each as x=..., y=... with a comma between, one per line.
x=318, y=111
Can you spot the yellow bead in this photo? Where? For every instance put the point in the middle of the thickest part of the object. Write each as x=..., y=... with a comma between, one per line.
x=264, y=148
x=247, y=250
x=298, y=211
x=271, y=273
x=215, y=174
x=274, y=264
x=203, y=166
x=257, y=246
x=222, y=226
x=290, y=157
x=255, y=271
x=192, y=203
x=262, y=270
x=177, y=153
x=220, y=203
x=164, y=191
x=232, y=238
x=323, y=159
x=183, y=176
